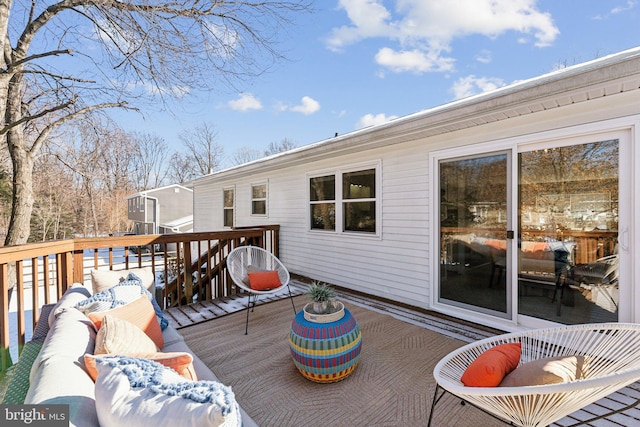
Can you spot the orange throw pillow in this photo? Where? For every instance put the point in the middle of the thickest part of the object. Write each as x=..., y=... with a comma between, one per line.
x=492, y=366
x=180, y=362
x=139, y=312
x=264, y=280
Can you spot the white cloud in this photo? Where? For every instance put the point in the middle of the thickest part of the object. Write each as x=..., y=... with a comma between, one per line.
x=426, y=29
x=245, y=102
x=280, y=106
x=471, y=85
x=618, y=9
x=484, y=56
x=221, y=40
x=307, y=106
x=369, y=19
x=373, y=119
x=412, y=60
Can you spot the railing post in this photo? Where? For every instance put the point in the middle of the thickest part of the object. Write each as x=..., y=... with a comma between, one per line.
x=45, y=274
x=5, y=339
x=75, y=269
x=188, y=276
x=275, y=236
x=19, y=291
x=35, y=292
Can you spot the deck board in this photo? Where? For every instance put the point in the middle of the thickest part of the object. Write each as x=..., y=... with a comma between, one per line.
x=198, y=312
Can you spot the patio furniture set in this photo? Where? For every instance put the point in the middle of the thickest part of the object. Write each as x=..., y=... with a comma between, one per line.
x=324, y=348
x=555, y=371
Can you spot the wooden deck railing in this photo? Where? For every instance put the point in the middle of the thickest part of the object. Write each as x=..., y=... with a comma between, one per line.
x=188, y=267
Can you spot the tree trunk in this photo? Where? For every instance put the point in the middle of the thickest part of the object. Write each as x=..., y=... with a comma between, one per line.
x=22, y=203
x=22, y=160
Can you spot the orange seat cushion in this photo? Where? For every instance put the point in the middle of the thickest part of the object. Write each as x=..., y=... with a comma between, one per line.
x=264, y=280
x=139, y=312
x=492, y=366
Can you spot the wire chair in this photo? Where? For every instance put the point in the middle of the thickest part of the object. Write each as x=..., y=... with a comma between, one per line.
x=244, y=259
x=611, y=354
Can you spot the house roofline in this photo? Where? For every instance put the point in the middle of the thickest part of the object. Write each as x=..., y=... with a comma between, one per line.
x=178, y=222
x=152, y=190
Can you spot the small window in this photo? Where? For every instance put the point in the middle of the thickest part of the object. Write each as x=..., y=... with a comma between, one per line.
x=322, y=193
x=359, y=201
x=259, y=199
x=229, y=204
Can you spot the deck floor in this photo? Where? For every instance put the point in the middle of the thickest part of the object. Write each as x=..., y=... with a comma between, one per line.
x=201, y=312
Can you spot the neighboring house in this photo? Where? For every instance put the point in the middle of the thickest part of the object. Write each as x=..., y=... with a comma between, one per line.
x=162, y=210
x=492, y=208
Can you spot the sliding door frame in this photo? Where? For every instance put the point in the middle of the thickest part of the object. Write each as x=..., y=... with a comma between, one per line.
x=625, y=131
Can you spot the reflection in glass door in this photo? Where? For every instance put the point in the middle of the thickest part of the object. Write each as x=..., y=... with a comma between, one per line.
x=568, y=233
x=473, y=232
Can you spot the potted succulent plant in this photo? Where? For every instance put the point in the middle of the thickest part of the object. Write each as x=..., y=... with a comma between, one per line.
x=320, y=294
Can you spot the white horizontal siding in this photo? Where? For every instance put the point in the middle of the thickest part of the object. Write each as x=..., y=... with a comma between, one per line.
x=394, y=266
x=207, y=208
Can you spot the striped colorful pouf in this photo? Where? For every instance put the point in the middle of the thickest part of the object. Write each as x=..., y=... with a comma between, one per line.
x=325, y=352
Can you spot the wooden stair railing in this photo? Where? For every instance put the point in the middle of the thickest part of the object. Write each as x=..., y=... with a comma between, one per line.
x=209, y=268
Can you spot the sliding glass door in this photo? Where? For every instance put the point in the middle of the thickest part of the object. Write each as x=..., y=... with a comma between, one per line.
x=561, y=261
x=474, y=215
x=568, y=227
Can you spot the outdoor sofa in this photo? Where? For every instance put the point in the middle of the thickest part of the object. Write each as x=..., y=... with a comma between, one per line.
x=59, y=374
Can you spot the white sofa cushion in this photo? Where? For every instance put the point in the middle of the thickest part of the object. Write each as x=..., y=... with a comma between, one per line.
x=76, y=293
x=58, y=375
x=132, y=391
x=105, y=279
x=123, y=293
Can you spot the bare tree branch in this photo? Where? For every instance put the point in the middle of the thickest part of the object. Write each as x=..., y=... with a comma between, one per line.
x=124, y=51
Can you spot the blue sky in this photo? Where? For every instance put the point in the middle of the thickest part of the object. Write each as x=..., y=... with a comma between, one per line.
x=355, y=63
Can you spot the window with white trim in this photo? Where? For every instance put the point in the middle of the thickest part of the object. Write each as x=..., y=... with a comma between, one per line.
x=228, y=206
x=359, y=201
x=344, y=201
x=322, y=190
x=259, y=199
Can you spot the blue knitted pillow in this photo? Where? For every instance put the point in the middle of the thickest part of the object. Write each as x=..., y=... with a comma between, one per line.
x=121, y=294
x=131, y=391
